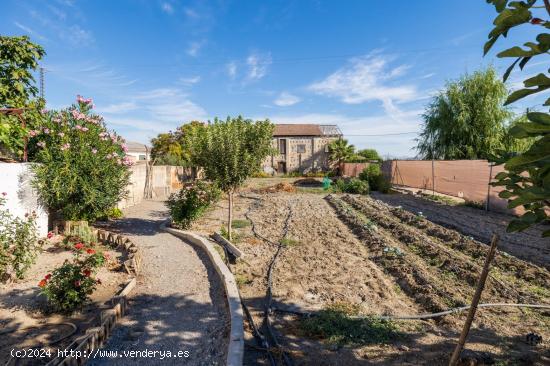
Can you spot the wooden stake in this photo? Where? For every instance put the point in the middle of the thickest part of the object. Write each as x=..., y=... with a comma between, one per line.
x=475, y=302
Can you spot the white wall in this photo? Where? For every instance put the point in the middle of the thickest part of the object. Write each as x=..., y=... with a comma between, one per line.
x=15, y=180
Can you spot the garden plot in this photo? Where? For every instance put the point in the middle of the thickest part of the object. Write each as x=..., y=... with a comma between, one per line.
x=346, y=255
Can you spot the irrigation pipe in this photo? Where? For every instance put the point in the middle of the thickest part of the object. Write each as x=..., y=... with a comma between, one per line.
x=429, y=316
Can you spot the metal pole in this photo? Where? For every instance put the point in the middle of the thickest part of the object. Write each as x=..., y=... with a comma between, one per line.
x=489, y=187
x=475, y=302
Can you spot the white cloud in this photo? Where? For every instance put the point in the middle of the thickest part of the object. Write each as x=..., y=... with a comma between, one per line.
x=194, y=48
x=169, y=105
x=72, y=34
x=366, y=79
x=167, y=8
x=231, y=69
x=118, y=108
x=286, y=99
x=190, y=80
x=257, y=66
x=29, y=31
x=191, y=13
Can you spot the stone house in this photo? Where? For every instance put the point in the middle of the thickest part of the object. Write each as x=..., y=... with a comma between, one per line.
x=301, y=148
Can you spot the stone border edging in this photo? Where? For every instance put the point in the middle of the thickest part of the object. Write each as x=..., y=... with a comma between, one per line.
x=95, y=337
x=235, y=348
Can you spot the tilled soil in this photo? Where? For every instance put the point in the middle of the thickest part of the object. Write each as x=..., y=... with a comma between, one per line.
x=527, y=245
x=334, y=252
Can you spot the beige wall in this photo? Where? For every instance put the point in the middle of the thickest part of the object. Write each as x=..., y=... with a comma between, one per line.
x=166, y=180
x=314, y=157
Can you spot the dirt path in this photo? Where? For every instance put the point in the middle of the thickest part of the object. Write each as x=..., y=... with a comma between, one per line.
x=527, y=245
x=178, y=303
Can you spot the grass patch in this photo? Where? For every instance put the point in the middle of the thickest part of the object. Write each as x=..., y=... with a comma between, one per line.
x=288, y=242
x=336, y=325
x=239, y=224
x=236, y=237
x=538, y=290
x=242, y=280
x=315, y=190
x=474, y=204
x=441, y=199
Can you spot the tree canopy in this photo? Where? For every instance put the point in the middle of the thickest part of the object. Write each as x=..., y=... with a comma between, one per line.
x=174, y=148
x=230, y=151
x=466, y=120
x=340, y=151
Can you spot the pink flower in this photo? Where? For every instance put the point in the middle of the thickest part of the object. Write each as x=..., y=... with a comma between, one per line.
x=84, y=129
x=4, y=194
x=94, y=151
x=124, y=147
x=42, y=144
x=61, y=134
x=46, y=131
x=44, y=111
x=65, y=146
x=33, y=133
x=78, y=127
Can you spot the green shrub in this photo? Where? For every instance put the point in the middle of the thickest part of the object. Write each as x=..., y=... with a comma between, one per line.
x=84, y=168
x=373, y=175
x=382, y=184
x=191, y=201
x=19, y=244
x=114, y=213
x=79, y=234
x=69, y=286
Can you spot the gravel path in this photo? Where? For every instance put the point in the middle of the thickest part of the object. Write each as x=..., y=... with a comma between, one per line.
x=178, y=303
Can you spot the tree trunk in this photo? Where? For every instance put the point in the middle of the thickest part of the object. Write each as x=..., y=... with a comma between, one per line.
x=230, y=218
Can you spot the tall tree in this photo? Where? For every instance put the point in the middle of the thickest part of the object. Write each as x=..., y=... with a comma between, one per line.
x=339, y=152
x=230, y=151
x=19, y=57
x=369, y=154
x=466, y=120
x=527, y=177
x=174, y=148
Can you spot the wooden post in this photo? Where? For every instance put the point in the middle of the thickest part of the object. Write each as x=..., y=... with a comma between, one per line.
x=475, y=302
x=489, y=187
x=230, y=218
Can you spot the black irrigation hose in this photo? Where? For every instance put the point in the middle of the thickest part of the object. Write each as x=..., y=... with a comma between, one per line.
x=269, y=297
x=260, y=340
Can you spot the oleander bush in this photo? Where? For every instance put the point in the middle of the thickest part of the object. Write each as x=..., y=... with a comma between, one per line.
x=19, y=242
x=84, y=169
x=191, y=201
x=69, y=286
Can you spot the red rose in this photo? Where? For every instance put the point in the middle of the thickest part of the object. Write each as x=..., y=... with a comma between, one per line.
x=77, y=283
x=87, y=272
x=78, y=246
x=536, y=21
x=48, y=276
x=50, y=235
x=42, y=283
x=90, y=251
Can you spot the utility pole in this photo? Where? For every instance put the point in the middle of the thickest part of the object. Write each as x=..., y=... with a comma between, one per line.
x=42, y=84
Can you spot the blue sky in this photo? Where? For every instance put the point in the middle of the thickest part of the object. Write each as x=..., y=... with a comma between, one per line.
x=368, y=66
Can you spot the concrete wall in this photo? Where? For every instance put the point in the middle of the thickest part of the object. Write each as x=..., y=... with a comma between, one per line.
x=166, y=180
x=15, y=180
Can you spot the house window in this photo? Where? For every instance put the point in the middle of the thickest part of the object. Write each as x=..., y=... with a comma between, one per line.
x=301, y=148
x=142, y=157
x=282, y=146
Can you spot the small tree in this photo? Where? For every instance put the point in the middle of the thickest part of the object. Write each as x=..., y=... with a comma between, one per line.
x=230, y=151
x=339, y=152
x=527, y=179
x=465, y=120
x=369, y=154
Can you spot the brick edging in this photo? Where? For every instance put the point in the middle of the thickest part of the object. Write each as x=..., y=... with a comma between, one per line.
x=235, y=348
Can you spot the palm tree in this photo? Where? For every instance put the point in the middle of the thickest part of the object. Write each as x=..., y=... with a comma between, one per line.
x=340, y=151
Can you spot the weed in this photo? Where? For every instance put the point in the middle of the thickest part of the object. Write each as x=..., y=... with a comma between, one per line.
x=474, y=204
x=239, y=224
x=393, y=252
x=336, y=325
x=242, y=280
x=288, y=242
x=236, y=237
x=538, y=290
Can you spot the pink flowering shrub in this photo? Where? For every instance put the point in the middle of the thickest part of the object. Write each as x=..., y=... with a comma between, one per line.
x=84, y=167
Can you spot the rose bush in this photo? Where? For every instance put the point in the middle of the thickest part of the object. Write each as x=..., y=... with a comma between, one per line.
x=69, y=286
x=191, y=201
x=84, y=167
x=19, y=244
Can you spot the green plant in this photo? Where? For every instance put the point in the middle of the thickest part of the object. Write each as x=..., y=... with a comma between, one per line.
x=191, y=201
x=19, y=57
x=114, y=213
x=474, y=204
x=466, y=120
x=370, y=154
x=175, y=148
x=352, y=185
x=84, y=169
x=527, y=176
x=289, y=242
x=79, y=234
x=230, y=152
x=239, y=224
x=235, y=238
x=339, y=325
x=69, y=286
x=19, y=244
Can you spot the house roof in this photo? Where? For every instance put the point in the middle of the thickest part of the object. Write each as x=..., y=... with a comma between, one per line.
x=305, y=129
x=136, y=147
